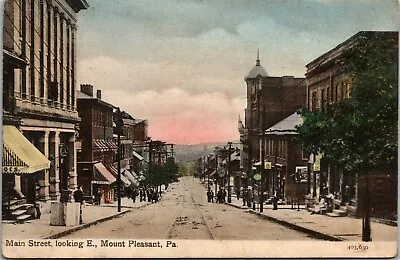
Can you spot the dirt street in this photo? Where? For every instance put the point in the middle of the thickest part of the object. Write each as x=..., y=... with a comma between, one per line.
x=184, y=213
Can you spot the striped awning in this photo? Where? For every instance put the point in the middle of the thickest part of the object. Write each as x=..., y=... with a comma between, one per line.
x=111, y=144
x=19, y=155
x=131, y=178
x=124, y=179
x=102, y=175
x=98, y=145
x=138, y=156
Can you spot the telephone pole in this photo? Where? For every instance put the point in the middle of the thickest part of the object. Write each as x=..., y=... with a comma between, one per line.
x=262, y=161
x=119, y=128
x=229, y=173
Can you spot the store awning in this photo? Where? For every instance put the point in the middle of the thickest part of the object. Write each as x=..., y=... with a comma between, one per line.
x=98, y=145
x=125, y=181
x=138, y=156
x=111, y=145
x=102, y=175
x=131, y=178
x=19, y=155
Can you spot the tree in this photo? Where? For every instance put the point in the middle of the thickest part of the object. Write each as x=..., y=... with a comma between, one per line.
x=360, y=133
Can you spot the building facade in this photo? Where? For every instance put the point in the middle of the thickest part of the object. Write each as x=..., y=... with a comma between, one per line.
x=269, y=100
x=289, y=165
x=96, y=149
x=327, y=85
x=39, y=88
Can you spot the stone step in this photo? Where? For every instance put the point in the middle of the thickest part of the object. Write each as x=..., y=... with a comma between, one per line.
x=20, y=206
x=23, y=218
x=19, y=212
x=13, y=202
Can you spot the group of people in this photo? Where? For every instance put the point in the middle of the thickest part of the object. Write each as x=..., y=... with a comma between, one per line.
x=151, y=194
x=247, y=197
x=221, y=195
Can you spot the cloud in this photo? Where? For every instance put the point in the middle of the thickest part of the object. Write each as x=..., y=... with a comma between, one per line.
x=182, y=62
x=177, y=116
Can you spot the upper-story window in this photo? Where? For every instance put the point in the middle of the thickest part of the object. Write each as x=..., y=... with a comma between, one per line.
x=314, y=101
x=323, y=99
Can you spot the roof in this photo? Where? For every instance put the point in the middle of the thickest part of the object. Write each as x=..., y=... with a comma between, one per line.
x=82, y=96
x=257, y=70
x=340, y=48
x=287, y=125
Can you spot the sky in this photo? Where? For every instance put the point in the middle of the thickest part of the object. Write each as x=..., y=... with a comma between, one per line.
x=181, y=64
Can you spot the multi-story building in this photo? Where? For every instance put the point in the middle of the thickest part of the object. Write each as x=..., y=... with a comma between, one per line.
x=286, y=158
x=327, y=85
x=96, y=149
x=269, y=100
x=39, y=90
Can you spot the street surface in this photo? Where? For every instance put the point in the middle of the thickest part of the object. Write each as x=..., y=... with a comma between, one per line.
x=184, y=213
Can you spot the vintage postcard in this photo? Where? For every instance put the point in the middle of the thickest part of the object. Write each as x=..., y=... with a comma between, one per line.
x=199, y=128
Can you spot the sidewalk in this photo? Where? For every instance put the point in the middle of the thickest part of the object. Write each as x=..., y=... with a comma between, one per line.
x=322, y=226
x=40, y=228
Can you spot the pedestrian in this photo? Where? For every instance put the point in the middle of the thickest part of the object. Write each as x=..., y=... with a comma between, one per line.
x=97, y=196
x=249, y=197
x=209, y=195
x=78, y=197
x=244, y=197
x=223, y=195
x=141, y=194
x=148, y=194
x=219, y=196
x=133, y=195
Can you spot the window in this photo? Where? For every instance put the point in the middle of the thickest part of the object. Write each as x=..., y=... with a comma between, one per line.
x=328, y=98
x=343, y=89
x=314, y=101
x=323, y=99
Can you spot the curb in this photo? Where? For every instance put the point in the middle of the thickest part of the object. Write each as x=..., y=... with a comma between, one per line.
x=292, y=226
x=74, y=229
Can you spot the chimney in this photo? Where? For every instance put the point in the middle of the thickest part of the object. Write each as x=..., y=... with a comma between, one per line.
x=87, y=89
x=98, y=94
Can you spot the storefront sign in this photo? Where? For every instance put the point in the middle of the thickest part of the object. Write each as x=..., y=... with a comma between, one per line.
x=257, y=177
x=267, y=165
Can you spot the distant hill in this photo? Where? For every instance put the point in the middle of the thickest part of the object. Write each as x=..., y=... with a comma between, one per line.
x=191, y=152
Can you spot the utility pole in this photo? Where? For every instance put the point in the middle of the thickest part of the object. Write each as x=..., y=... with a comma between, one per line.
x=262, y=161
x=216, y=172
x=119, y=129
x=229, y=173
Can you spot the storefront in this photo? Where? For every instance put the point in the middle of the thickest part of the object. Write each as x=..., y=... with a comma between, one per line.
x=21, y=162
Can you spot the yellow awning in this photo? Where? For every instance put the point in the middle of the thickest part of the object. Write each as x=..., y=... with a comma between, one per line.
x=20, y=155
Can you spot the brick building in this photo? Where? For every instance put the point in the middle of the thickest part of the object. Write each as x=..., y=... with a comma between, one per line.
x=326, y=85
x=39, y=87
x=96, y=149
x=269, y=100
x=286, y=158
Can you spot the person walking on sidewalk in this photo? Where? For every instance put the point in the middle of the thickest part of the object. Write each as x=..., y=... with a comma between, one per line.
x=78, y=197
x=210, y=195
x=244, y=196
x=134, y=194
